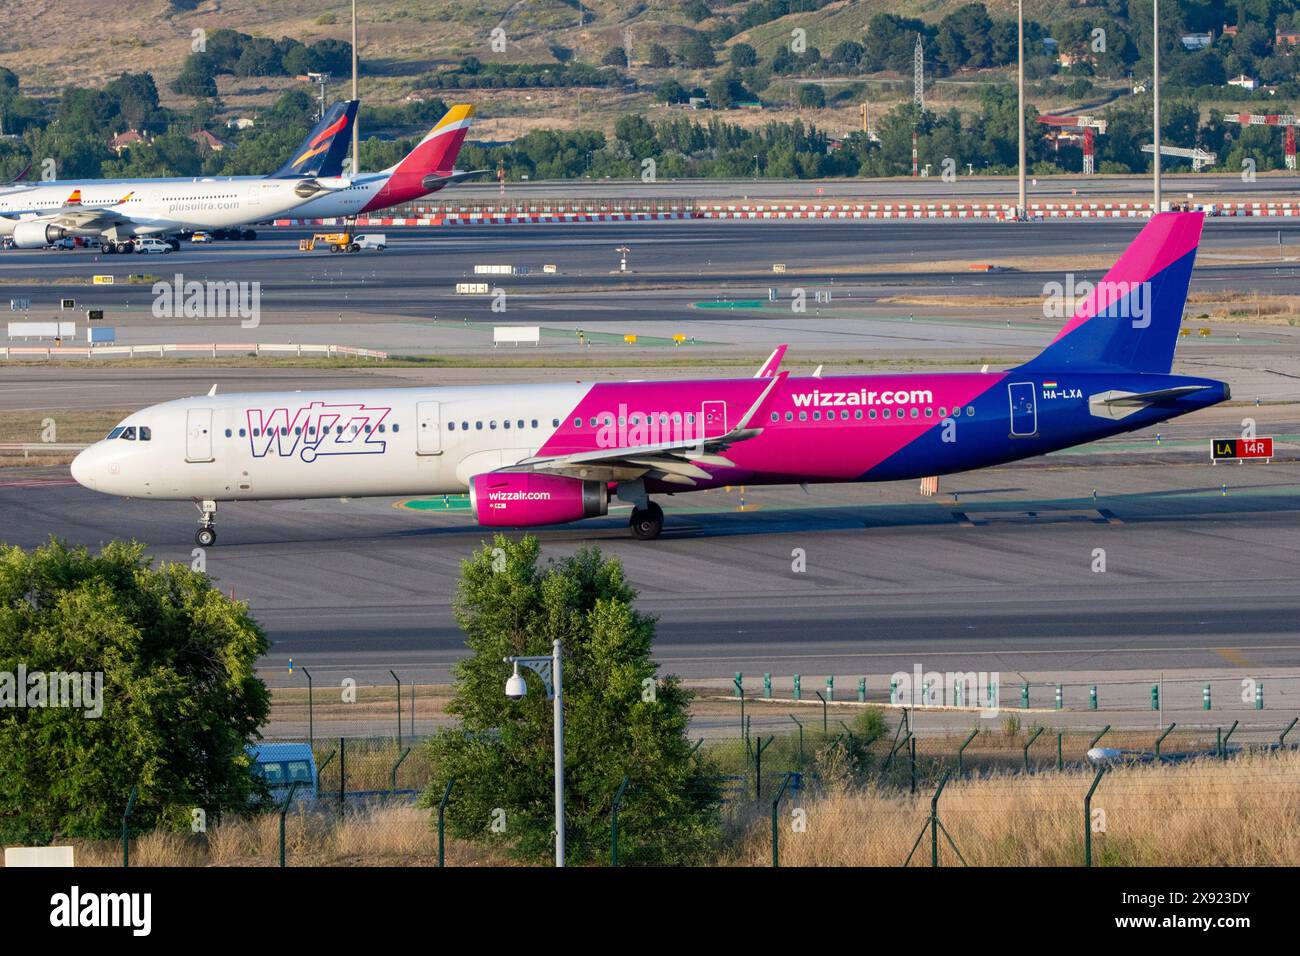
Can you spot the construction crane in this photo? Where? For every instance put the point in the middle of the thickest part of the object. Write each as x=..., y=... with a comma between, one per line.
x=1088, y=124
x=1199, y=157
x=1285, y=120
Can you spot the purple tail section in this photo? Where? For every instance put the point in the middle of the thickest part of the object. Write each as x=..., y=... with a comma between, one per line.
x=1130, y=320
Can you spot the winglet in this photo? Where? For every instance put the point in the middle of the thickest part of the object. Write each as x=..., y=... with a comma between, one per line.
x=773, y=363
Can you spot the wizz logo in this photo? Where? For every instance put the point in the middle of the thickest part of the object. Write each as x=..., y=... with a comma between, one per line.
x=318, y=429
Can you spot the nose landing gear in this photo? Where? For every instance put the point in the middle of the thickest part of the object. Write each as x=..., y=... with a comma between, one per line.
x=647, y=522
x=206, y=536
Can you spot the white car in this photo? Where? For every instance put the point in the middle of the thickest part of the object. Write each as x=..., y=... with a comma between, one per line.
x=201, y=237
x=149, y=245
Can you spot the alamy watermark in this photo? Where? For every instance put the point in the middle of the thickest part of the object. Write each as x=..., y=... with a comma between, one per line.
x=83, y=690
x=208, y=300
x=1119, y=300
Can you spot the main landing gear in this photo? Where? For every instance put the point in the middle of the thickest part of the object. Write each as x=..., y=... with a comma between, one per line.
x=647, y=522
x=206, y=536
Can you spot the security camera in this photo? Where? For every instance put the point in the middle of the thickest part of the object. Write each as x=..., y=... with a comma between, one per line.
x=516, y=687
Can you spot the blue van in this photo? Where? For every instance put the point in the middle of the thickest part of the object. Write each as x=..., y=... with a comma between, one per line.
x=282, y=765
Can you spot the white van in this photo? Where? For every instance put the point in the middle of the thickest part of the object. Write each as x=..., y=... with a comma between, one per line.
x=149, y=244
x=371, y=240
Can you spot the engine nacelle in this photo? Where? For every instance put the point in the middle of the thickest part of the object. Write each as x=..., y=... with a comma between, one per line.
x=525, y=498
x=36, y=235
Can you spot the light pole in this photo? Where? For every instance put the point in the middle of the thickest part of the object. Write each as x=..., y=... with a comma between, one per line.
x=1020, y=106
x=550, y=671
x=356, y=125
x=1155, y=102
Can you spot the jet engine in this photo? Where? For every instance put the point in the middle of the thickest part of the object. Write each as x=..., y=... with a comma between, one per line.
x=522, y=499
x=36, y=235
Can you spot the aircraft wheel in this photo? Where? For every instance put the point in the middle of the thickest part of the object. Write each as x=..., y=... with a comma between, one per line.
x=127, y=247
x=646, y=524
x=205, y=537
x=249, y=235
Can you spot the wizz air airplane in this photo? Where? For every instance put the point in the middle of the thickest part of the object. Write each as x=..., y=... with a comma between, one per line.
x=548, y=454
x=430, y=166
x=117, y=211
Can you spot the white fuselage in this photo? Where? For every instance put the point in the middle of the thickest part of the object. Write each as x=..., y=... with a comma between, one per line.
x=164, y=205
x=344, y=202
x=350, y=443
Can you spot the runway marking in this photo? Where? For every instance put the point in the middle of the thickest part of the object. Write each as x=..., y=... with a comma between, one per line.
x=962, y=653
x=1232, y=655
x=37, y=483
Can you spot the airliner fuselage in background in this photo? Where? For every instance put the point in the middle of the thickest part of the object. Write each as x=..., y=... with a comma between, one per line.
x=546, y=454
x=116, y=211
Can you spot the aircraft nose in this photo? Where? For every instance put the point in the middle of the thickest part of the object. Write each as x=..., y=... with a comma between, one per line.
x=84, y=467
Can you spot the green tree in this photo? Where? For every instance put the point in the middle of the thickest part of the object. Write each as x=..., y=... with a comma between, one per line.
x=811, y=96
x=180, y=699
x=743, y=55
x=620, y=720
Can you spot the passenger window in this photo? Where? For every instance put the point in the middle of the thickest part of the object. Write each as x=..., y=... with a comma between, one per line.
x=858, y=414
x=884, y=413
x=970, y=410
x=534, y=423
x=872, y=414
x=451, y=426
x=775, y=416
x=241, y=433
x=381, y=428
x=478, y=426
x=789, y=416
x=817, y=416
x=506, y=423
x=943, y=411
x=228, y=435
x=492, y=424
x=297, y=429
x=394, y=427
x=464, y=426
x=803, y=416
x=844, y=415
x=916, y=413
x=555, y=423
x=284, y=429
x=690, y=418
x=577, y=423
x=929, y=413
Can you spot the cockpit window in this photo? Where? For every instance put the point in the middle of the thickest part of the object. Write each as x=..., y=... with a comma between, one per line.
x=114, y=433
x=128, y=433
x=146, y=433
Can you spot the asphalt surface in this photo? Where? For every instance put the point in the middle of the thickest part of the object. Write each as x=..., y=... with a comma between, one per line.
x=997, y=579
x=931, y=188
x=678, y=269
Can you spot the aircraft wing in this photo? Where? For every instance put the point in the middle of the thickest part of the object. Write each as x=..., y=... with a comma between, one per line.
x=1119, y=404
x=674, y=462
x=438, y=180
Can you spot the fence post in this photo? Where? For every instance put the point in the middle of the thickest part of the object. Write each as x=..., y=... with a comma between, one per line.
x=1161, y=738
x=392, y=776
x=740, y=692
x=311, y=715
x=613, y=822
x=399, y=709
x=1034, y=736
x=1060, y=750
x=934, y=822
x=321, y=769
x=965, y=743
x=1223, y=747
x=911, y=742
x=284, y=812
x=442, y=821
x=126, y=834
x=776, y=804
x=760, y=746
x=797, y=721
x=343, y=772
x=1281, y=741
x=1087, y=816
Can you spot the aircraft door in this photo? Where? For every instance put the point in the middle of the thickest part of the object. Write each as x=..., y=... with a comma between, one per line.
x=428, y=428
x=714, y=415
x=198, y=434
x=1024, y=409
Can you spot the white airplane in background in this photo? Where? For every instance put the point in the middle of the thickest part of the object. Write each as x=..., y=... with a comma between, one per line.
x=116, y=212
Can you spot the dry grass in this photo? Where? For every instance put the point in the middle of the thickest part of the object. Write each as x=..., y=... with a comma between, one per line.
x=1252, y=308
x=1206, y=813
x=373, y=836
